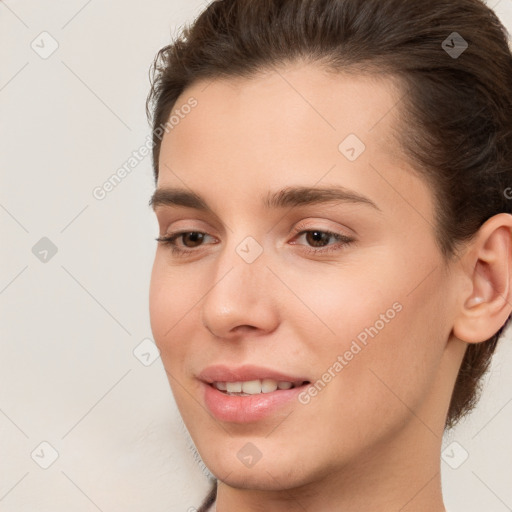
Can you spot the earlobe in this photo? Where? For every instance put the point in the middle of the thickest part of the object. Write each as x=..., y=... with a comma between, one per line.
x=489, y=261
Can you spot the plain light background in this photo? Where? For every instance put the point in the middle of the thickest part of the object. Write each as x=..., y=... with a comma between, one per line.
x=77, y=391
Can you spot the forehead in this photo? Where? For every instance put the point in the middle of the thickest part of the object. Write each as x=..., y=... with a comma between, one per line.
x=296, y=102
x=290, y=126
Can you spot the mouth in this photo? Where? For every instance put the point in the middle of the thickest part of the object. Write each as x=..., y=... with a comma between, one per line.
x=249, y=393
x=251, y=401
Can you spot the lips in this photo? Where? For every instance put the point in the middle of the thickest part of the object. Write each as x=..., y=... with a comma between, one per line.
x=236, y=407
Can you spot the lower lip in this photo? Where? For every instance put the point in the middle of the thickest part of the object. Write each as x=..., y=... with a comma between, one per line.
x=247, y=409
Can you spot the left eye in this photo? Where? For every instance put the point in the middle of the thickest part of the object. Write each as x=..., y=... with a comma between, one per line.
x=319, y=236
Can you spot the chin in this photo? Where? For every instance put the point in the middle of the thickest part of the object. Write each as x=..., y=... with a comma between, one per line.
x=231, y=463
x=265, y=478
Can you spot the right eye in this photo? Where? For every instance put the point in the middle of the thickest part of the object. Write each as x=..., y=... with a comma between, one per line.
x=170, y=240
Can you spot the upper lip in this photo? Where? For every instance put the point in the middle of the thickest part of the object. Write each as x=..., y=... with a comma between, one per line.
x=223, y=373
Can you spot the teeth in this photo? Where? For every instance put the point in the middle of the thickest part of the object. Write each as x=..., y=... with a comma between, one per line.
x=221, y=386
x=268, y=385
x=234, y=387
x=252, y=387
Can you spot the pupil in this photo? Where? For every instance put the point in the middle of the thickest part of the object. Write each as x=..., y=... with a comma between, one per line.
x=195, y=237
x=316, y=235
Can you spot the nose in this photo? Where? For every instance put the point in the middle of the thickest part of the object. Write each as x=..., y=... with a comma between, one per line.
x=241, y=298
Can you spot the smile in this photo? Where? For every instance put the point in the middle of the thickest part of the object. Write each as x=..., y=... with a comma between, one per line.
x=254, y=387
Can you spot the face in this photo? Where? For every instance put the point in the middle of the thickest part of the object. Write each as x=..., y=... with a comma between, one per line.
x=344, y=296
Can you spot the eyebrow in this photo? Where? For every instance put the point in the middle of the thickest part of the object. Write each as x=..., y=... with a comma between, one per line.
x=286, y=198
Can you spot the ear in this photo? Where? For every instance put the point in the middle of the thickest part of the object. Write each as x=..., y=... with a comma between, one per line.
x=487, y=268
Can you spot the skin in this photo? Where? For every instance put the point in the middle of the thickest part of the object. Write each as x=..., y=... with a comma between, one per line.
x=371, y=439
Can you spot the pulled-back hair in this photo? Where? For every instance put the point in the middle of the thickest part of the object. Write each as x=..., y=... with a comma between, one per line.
x=456, y=110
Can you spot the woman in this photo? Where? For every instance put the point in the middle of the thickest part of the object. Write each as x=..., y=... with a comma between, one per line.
x=334, y=262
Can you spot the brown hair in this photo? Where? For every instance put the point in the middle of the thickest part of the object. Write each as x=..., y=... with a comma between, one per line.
x=457, y=106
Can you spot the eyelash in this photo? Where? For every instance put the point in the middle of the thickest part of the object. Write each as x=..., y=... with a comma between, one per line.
x=343, y=241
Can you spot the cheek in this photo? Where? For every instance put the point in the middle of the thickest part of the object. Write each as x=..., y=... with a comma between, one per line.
x=170, y=302
x=173, y=320
x=379, y=336
x=332, y=306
